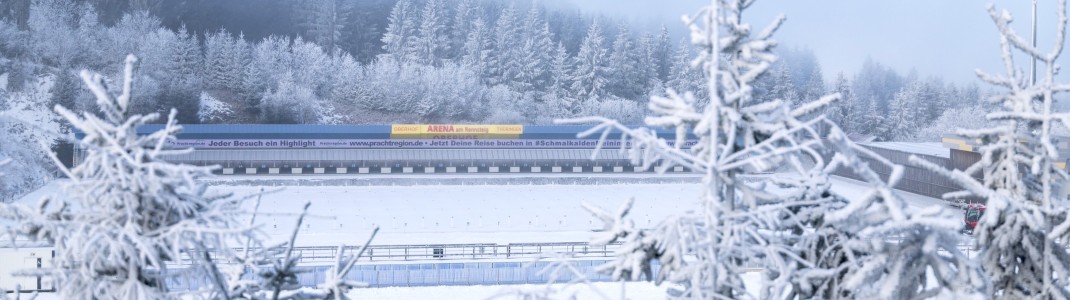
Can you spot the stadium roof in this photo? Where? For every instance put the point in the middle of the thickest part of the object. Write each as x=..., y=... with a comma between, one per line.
x=931, y=149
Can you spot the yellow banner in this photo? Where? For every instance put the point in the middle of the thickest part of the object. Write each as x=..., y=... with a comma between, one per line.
x=454, y=132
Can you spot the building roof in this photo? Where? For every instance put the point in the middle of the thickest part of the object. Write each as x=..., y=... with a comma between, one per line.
x=931, y=149
x=413, y=155
x=320, y=131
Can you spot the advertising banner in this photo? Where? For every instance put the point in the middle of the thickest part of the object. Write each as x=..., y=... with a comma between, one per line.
x=398, y=144
x=454, y=132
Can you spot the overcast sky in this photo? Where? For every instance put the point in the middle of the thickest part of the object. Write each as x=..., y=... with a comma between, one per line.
x=948, y=38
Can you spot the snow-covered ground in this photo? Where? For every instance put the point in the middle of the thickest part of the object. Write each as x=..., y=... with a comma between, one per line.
x=596, y=290
x=431, y=212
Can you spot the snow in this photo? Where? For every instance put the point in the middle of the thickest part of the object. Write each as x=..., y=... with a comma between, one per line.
x=610, y=290
x=927, y=148
x=434, y=213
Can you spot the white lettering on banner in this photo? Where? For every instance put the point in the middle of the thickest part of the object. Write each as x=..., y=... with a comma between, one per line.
x=395, y=144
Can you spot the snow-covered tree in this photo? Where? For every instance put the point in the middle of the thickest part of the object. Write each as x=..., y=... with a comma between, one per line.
x=808, y=241
x=290, y=102
x=27, y=128
x=871, y=118
x=432, y=41
x=623, y=66
x=682, y=77
x=560, y=81
x=214, y=111
x=905, y=109
x=783, y=86
x=647, y=61
x=400, y=31
x=311, y=66
x=478, y=49
x=225, y=58
x=51, y=25
x=814, y=86
x=464, y=18
x=347, y=83
x=128, y=213
x=534, y=53
x=590, y=75
x=877, y=84
x=845, y=113
x=969, y=117
x=184, y=82
x=506, y=36
x=663, y=54
x=1024, y=230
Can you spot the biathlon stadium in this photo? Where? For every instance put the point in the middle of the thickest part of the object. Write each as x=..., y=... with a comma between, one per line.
x=460, y=149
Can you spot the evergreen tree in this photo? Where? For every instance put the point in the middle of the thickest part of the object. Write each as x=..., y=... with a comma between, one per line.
x=432, y=41
x=877, y=82
x=478, y=49
x=399, y=31
x=783, y=86
x=663, y=54
x=814, y=87
x=505, y=60
x=682, y=77
x=623, y=66
x=903, y=120
x=218, y=49
x=365, y=25
x=535, y=53
x=466, y=13
x=182, y=90
x=872, y=118
x=845, y=112
x=561, y=80
x=323, y=22
x=807, y=242
x=1023, y=233
x=590, y=76
x=647, y=64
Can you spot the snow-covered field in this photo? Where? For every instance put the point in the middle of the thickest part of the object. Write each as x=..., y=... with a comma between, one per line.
x=596, y=290
x=427, y=211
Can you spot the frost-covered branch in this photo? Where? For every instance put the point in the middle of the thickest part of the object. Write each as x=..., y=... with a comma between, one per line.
x=1024, y=227
x=808, y=241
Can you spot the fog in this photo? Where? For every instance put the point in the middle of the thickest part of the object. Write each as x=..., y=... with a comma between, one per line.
x=949, y=39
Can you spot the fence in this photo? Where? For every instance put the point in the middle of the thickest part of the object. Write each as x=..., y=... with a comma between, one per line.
x=436, y=252
x=430, y=274
x=430, y=265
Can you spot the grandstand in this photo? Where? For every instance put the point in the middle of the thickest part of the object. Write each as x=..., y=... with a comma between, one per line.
x=455, y=148
x=406, y=148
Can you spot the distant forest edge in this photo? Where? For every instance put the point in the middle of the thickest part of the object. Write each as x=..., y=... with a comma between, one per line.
x=433, y=61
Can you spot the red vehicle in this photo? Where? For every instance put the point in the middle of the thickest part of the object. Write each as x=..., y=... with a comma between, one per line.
x=972, y=216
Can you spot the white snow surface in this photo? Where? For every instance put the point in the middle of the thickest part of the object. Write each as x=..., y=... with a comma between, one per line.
x=449, y=214
x=611, y=290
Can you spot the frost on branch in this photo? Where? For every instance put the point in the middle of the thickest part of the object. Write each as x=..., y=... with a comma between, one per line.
x=874, y=245
x=128, y=214
x=1025, y=226
x=274, y=271
x=807, y=241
